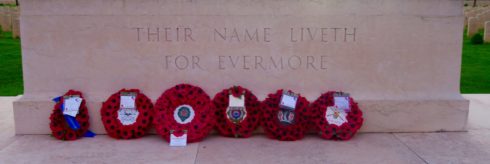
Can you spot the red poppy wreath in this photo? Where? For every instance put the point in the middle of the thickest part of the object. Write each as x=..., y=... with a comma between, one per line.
x=73, y=123
x=237, y=112
x=337, y=116
x=184, y=109
x=127, y=114
x=285, y=116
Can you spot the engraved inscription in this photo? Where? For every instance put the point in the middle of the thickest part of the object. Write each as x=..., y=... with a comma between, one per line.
x=239, y=35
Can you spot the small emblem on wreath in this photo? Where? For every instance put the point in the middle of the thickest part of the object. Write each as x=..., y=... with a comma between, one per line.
x=236, y=114
x=335, y=116
x=184, y=114
x=286, y=117
x=127, y=116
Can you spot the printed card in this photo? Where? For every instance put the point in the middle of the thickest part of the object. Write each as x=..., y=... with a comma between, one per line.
x=343, y=103
x=178, y=141
x=288, y=101
x=128, y=100
x=237, y=101
x=71, y=105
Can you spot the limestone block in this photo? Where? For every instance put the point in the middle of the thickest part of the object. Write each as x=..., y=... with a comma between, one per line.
x=399, y=59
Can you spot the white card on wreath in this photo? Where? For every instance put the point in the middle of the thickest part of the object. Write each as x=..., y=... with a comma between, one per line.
x=288, y=101
x=342, y=103
x=71, y=105
x=178, y=141
x=128, y=101
x=237, y=101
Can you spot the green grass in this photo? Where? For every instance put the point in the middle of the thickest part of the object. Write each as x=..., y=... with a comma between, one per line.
x=8, y=5
x=475, y=68
x=10, y=66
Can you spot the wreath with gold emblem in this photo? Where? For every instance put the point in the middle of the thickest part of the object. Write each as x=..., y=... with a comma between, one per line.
x=237, y=112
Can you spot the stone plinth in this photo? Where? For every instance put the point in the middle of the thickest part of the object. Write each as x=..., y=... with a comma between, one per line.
x=400, y=59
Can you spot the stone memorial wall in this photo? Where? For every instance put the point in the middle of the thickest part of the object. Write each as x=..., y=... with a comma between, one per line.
x=400, y=59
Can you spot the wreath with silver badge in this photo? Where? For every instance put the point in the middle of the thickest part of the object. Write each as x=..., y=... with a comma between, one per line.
x=337, y=116
x=127, y=114
x=285, y=116
x=184, y=109
x=69, y=120
x=237, y=112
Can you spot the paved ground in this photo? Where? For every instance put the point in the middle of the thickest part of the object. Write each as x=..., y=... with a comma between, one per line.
x=450, y=147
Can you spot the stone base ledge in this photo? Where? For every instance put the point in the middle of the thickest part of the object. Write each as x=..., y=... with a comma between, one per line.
x=32, y=116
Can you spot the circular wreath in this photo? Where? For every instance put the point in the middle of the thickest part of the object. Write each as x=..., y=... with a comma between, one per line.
x=236, y=123
x=184, y=109
x=329, y=130
x=58, y=125
x=272, y=125
x=112, y=115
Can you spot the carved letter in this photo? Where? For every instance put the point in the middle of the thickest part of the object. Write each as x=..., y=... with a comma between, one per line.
x=216, y=32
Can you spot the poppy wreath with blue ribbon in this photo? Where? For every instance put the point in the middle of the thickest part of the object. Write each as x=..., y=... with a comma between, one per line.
x=274, y=128
x=240, y=122
x=111, y=114
x=327, y=130
x=184, y=109
x=59, y=126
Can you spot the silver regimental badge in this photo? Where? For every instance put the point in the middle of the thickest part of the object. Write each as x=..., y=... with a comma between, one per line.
x=236, y=112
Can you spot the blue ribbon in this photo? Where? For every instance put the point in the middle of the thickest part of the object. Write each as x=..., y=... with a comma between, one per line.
x=57, y=99
x=89, y=134
x=72, y=121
